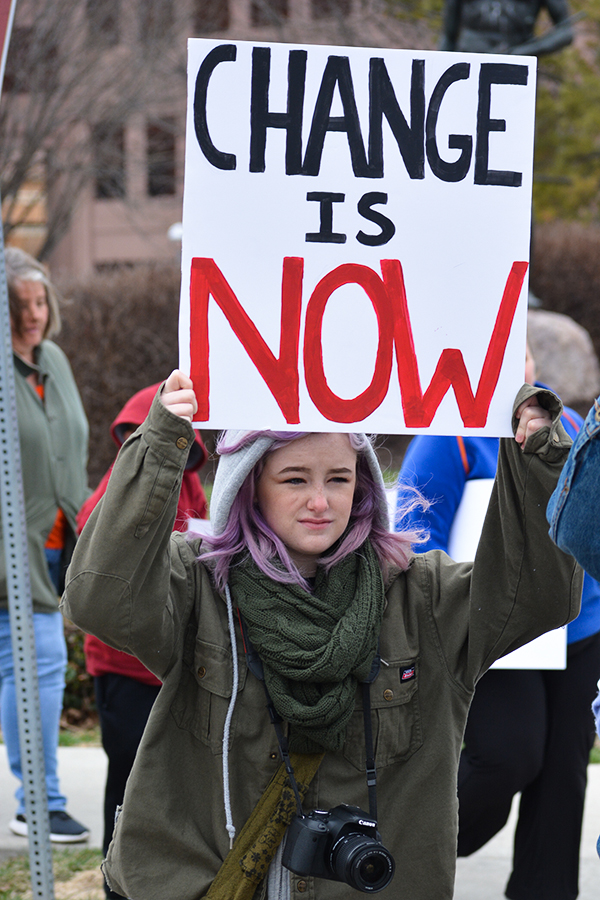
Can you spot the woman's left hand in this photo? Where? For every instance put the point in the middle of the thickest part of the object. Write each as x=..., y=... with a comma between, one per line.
x=531, y=417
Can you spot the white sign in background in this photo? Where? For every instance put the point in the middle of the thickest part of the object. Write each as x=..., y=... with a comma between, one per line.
x=453, y=241
x=549, y=650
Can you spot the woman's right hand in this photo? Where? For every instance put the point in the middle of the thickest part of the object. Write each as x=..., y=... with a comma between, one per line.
x=178, y=395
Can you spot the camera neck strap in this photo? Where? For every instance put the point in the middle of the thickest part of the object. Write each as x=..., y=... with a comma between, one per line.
x=370, y=755
x=254, y=663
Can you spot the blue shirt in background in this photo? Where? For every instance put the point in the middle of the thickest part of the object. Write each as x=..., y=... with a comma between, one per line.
x=439, y=466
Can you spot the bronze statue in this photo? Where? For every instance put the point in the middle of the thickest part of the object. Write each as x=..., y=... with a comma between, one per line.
x=504, y=26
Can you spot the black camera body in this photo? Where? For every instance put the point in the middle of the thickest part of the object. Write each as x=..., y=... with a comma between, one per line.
x=342, y=844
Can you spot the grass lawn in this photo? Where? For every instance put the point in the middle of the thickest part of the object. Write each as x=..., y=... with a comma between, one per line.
x=77, y=873
x=78, y=737
x=77, y=876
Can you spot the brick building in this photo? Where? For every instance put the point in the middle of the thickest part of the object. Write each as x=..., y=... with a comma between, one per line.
x=125, y=213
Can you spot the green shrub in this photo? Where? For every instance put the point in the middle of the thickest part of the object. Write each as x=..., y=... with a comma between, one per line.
x=120, y=335
x=79, y=705
x=565, y=272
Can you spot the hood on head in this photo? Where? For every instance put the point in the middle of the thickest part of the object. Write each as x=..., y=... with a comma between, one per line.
x=133, y=414
x=233, y=469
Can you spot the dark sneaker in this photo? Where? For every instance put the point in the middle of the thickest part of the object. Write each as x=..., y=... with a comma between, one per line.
x=66, y=830
x=18, y=826
x=63, y=828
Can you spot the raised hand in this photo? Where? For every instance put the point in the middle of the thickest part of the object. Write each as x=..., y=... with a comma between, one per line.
x=531, y=418
x=178, y=395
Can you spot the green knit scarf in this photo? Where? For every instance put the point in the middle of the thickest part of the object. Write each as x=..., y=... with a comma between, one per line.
x=315, y=647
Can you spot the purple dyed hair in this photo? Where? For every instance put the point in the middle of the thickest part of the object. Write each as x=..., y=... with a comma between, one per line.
x=248, y=532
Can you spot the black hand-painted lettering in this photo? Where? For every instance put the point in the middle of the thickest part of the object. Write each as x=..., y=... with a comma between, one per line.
x=261, y=118
x=447, y=171
x=337, y=73
x=218, y=159
x=383, y=102
x=494, y=73
x=388, y=229
x=325, y=234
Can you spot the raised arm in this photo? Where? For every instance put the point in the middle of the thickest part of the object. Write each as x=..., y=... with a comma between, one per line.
x=543, y=585
x=128, y=582
x=520, y=584
x=555, y=38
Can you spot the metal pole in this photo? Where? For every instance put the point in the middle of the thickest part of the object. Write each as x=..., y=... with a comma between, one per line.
x=21, y=613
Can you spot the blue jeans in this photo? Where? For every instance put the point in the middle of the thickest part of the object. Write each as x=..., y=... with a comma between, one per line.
x=51, y=652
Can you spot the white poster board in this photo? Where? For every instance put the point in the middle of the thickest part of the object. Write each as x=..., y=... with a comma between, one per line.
x=549, y=651
x=355, y=237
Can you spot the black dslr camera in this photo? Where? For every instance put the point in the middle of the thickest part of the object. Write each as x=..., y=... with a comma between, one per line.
x=342, y=845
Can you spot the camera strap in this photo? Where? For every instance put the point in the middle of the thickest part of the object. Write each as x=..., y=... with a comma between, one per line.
x=254, y=663
x=370, y=755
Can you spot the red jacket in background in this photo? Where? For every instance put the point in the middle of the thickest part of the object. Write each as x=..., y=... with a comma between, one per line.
x=100, y=658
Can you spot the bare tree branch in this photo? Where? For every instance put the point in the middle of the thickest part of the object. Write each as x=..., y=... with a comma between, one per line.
x=69, y=70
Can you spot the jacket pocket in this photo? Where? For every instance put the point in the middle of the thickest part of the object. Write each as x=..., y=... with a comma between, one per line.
x=395, y=717
x=202, y=699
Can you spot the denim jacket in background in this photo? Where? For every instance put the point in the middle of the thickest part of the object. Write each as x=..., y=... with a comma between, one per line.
x=572, y=510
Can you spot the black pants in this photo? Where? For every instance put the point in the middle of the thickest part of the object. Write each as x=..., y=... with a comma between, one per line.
x=124, y=705
x=531, y=731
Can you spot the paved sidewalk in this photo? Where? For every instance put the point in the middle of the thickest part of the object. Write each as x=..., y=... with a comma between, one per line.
x=82, y=772
x=480, y=877
x=483, y=875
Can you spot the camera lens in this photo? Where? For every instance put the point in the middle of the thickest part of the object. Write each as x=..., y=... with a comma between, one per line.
x=372, y=869
x=362, y=863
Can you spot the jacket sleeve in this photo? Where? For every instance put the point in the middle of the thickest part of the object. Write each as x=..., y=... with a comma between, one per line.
x=130, y=582
x=572, y=510
x=520, y=584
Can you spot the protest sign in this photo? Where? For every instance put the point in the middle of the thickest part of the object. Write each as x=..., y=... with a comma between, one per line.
x=355, y=237
x=549, y=650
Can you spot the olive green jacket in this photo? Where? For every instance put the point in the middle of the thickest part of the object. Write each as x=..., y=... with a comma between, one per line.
x=140, y=589
x=53, y=437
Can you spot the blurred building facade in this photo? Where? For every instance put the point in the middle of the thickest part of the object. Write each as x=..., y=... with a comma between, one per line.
x=126, y=209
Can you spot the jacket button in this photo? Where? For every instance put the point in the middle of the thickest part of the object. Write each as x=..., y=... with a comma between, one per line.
x=181, y=443
x=388, y=695
x=273, y=755
x=302, y=886
x=201, y=672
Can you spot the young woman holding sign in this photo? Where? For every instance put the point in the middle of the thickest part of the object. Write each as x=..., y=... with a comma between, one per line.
x=303, y=624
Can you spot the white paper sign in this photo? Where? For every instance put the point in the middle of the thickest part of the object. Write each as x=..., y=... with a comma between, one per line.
x=549, y=651
x=355, y=237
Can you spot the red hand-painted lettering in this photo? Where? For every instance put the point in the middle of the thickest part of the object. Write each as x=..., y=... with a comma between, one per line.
x=388, y=296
